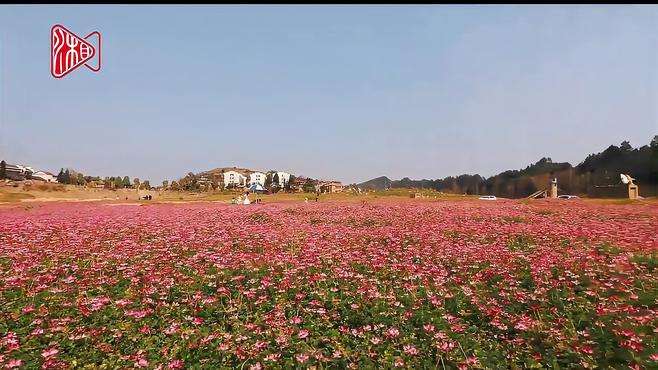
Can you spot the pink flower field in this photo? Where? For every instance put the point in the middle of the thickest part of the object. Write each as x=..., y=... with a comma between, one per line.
x=399, y=283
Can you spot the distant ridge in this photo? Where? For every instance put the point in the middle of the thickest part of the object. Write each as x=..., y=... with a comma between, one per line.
x=597, y=175
x=219, y=170
x=379, y=183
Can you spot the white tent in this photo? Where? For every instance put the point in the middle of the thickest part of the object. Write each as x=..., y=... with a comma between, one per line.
x=256, y=187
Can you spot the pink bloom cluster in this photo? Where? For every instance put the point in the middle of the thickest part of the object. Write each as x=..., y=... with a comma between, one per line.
x=392, y=283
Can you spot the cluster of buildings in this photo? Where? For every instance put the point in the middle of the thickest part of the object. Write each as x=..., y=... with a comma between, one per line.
x=242, y=178
x=330, y=187
x=230, y=178
x=18, y=172
x=247, y=178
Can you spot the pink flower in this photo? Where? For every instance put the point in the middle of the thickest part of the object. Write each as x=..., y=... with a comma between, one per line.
x=10, y=342
x=410, y=350
x=472, y=361
x=175, y=364
x=123, y=302
x=13, y=363
x=524, y=324
x=273, y=357
x=28, y=309
x=301, y=358
x=302, y=334
x=142, y=362
x=587, y=349
x=399, y=362
x=138, y=314
x=49, y=352
x=446, y=346
x=173, y=328
x=69, y=279
x=392, y=333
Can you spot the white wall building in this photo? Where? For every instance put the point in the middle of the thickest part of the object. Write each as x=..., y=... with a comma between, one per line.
x=43, y=176
x=284, y=178
x=234, y=179
x=257, y=178
x=17, y=172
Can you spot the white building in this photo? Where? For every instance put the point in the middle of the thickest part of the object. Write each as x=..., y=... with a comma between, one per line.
x=257, y=178
x=43, y=176
x=284, y=178
x=17, y=172
x=234, y=179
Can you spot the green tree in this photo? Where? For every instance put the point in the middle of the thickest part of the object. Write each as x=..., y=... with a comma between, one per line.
x=60, y=176
x=67, y=176
x=309, y=186
x=625, y=146
x=165, y=184
x=268, y=180
x=3, y=169
x=126, y=182
x=275, y=180
x=290, y=181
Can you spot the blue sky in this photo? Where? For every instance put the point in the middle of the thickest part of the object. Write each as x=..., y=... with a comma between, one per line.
x=344, y=92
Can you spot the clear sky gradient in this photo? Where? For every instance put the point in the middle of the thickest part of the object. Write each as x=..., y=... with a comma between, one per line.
x=344, y=92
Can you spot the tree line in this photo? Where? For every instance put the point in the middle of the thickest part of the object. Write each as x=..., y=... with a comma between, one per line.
x=214, y=181
x=597, y=175
x=72, y=177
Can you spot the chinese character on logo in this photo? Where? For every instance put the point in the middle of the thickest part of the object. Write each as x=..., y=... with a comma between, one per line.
x=68, y=51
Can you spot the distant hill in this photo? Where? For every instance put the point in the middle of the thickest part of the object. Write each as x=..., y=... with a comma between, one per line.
x=379, y=183
x=597, y=175
x=219, y=170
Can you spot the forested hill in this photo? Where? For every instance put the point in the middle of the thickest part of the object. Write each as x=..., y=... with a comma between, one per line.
x=597, y=175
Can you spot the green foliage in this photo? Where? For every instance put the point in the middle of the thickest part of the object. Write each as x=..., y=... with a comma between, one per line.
x=521, y=243
x=309, y=186
x=514, y=219
x=290, y=181
x=649, y=261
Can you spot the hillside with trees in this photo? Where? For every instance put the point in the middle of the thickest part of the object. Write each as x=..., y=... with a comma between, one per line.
x=597, y=175
x=72, y=177
x=378, y=183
